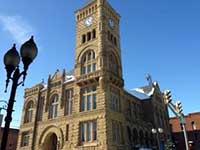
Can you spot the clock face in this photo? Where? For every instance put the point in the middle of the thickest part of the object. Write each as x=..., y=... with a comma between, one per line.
x=88, y=21
x=111, y=23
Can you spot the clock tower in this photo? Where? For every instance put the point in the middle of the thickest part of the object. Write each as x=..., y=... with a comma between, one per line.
x=98, y=43
x=88, y=109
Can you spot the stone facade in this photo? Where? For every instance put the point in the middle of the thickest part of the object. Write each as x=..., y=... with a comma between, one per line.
x=88, y=108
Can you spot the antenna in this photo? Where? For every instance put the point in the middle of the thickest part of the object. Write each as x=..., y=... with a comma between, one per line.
x=149, y=79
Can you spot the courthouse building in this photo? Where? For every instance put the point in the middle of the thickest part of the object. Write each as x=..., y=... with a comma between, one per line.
x=88, y=108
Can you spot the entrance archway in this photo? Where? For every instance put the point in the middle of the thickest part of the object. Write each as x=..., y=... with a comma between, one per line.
x=51, y=139
x=51, y=142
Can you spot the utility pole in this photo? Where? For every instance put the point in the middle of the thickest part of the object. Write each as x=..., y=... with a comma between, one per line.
x=177, y=110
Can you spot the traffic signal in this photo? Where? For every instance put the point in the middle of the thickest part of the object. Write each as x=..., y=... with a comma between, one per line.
x=179, y=108
x=167, y=96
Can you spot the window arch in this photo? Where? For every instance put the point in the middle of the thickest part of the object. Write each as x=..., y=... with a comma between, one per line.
x=88, y=62
x=28, y=112
x=141, y=137
x=53, y=107
x=146, y=138
x=135, y=136
x=113, y=65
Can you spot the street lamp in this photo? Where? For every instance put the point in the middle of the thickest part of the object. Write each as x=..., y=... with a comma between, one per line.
x=28, y=52
x=157, y=132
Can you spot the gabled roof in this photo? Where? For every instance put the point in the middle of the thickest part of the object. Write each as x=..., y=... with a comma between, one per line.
x=148, y=90
x=144, y=92
x=138, y=95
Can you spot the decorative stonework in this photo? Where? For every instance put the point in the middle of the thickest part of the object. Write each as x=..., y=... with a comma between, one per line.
x=112, y=114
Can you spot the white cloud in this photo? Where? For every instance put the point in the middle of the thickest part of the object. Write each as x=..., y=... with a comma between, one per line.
x=19, y=29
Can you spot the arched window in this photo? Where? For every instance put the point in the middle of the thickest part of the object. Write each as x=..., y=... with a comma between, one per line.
x=135, y=136
x=113, y=67
x=88, y=62
x=146, y=138
x=28, y=112
x=53, y=107
x=141, y=137
x=129, y=135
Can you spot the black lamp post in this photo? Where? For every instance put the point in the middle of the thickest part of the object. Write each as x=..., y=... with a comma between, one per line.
x=28, y=52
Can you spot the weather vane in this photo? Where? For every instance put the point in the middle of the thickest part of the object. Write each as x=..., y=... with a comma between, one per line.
x=149, y=78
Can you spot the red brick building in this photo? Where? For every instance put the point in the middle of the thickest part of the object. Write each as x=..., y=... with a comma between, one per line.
x=192, y=128
x=12, y=138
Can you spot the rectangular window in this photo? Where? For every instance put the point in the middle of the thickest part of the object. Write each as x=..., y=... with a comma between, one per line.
x=115, y=99
x=68, y=101
x=83, y=132
x=115, y=41
x=88, y=36
x=117, y=132
x=54, y=112
x=88, y=99
x=115, y=102
x=40, y=110
x=67, y=132
x=88, y=131
x=25, y=139
x=94, y=102
x=88, y=68
x=83, y=103
x=83, y=38
x=83, y=70
x=94, y=34
x=94, y=130
x=94, y=67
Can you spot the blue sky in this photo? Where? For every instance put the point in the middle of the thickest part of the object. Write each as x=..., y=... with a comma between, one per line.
x=157, y=37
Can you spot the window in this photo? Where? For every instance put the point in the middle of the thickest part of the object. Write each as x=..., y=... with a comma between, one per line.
x=83, y=38
x=117, y=132
x=135, y=135
x=88, y=62
x=115, y=41
x=67, y=132
x=53, y=107
x=113, y=67
x=129, y=134
x=108, y=35
x=88, y=131
x=111, y=38
x=25, y=139
x=40, y=109
x=193, y=125
x=68, y=101
x=88, y=36
x=28, y=112
x=88, y=98
x=115, y=101
x=93, y=33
